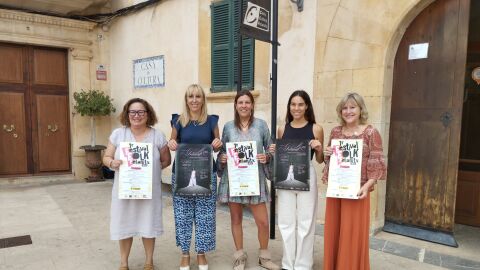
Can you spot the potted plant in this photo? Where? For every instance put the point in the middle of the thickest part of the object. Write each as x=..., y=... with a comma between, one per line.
x=93, y=103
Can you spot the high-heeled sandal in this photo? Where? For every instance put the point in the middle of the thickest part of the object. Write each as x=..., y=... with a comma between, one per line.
x=265, y=260
x=202, y=266
x=148, y=267
x=188, y=266
x=239, y=260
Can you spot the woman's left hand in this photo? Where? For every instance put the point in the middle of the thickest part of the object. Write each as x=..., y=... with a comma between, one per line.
x=363, y=192
x=262, y=158
x=365, y=189
x=316, y=145
x=216, y=144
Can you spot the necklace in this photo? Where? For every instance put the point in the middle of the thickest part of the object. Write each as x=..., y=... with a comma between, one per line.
x=244, y=125
x=194, y=122
x=353, y=131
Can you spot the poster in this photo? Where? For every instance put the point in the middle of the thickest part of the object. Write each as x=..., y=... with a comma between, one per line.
x=292, y=164
x=193, y=170
x=135, y=173
x=242, y=168
x=345, y=169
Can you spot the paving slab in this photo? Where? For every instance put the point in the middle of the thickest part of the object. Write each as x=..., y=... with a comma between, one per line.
x=69, y=226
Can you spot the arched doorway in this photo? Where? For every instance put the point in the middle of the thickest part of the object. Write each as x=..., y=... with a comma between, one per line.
x=425, y=123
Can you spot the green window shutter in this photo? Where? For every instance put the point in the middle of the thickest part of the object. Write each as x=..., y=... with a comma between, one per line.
x=247, y=52
x=224, y=48
x=221, y=51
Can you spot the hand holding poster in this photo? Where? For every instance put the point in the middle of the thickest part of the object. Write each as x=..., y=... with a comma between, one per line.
x=193, y=170
x=242, y=168
x=345, y=169
x=292, y=165
x=135, y=173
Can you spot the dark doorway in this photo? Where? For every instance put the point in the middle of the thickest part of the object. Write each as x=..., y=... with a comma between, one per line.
x=468, y=189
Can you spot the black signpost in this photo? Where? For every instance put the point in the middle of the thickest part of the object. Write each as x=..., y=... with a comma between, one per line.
x=260, y=21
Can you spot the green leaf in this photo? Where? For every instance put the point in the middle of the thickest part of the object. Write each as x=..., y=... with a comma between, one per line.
x=93, y=103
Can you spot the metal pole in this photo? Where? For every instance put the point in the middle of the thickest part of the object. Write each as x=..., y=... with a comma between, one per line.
x=240, y=45
x=274, y=104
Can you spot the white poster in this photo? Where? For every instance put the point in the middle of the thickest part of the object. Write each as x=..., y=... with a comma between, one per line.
x=135, y=173
x=345, y=169
x=243, y=168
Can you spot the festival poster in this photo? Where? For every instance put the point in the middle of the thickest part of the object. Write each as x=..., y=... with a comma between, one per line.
x=345, y=169
x=242, y=168
x=135, y=173
x=193, y=170
x=292, y=164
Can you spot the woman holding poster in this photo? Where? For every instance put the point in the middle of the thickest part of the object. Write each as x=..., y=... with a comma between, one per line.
x=137, y=217
x=347, y=221
x=246, y=128
x=194, y=126
x=297, y=209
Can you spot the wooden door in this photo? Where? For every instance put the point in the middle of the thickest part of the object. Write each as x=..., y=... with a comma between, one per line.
x=14, y=136
x=33, y=97
x=51, y=128
x=426, y=119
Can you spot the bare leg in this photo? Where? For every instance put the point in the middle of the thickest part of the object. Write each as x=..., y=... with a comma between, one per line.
x=236, y=216
x=260, y=215
x=149, y=245
x=125, y=246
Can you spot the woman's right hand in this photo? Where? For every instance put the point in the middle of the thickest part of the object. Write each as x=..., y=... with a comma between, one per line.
x=272, y=148
x=172, y=145
x=328, y=151
x=115, y=164
x=223, y=158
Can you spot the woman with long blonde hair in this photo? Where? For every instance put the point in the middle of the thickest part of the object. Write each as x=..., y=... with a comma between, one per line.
x=195, y=126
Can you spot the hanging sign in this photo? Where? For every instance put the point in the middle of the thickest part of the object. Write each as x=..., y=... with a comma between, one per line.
x=256, y=21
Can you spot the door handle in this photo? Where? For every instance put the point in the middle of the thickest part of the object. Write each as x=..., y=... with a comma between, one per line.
x=8, y=129
x=52, y=128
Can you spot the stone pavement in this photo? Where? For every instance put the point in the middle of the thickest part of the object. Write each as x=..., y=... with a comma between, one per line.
x=69, y=226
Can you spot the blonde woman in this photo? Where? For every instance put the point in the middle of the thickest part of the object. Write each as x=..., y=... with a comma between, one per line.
x=347, y=221
x=195, y=126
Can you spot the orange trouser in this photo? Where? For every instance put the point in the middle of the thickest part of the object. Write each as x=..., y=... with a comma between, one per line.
x=346, y=235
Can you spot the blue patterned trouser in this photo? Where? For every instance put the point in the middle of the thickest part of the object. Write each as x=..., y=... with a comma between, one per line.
x=199, y=211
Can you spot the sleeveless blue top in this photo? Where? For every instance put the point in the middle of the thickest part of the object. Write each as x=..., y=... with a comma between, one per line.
x=193, y=133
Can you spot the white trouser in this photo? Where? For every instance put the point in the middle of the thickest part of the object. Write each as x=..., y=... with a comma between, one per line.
x=296, y=222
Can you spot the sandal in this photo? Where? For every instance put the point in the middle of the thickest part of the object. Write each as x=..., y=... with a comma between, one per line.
x=240, y=260
x=148, y=267
x=123, y=268
x=265, y=260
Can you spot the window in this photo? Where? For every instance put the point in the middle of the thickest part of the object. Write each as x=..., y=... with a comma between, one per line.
x=225, y=27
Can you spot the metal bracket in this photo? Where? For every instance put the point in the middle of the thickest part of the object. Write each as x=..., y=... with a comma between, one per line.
x=446, y=119
x=299, y=4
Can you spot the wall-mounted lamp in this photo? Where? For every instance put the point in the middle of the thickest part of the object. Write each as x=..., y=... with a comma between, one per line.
x=299, y=4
